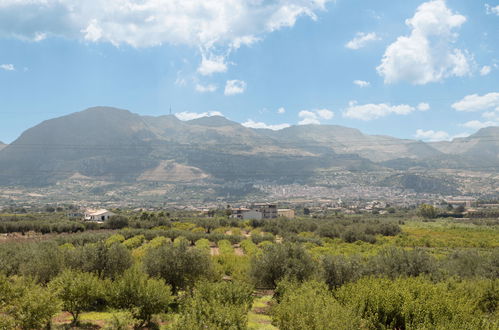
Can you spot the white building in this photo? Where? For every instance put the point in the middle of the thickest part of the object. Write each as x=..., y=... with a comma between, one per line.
x=98, y=215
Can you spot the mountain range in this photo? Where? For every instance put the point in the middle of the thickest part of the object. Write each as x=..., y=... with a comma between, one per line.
x=104, y=143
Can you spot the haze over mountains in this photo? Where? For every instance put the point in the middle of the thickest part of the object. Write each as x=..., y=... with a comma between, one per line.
x=116, y=145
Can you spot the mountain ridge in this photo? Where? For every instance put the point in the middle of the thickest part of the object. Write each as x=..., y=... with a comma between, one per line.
x=106, y=143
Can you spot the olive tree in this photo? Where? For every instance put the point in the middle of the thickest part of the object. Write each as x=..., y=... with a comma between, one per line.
x=79, y=291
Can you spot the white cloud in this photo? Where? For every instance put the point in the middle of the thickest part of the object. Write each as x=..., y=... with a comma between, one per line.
x=186, y=115
x=427, y=54
x=313, y=117
x=423, y=106
x=233, y=87
x=361, y=40
x=476, y=102
x=362, y=83
x=215, y=64
x=431, y=135
x=375, y=111
x=477, y=124
x=281, y=110
x=253, y=124
x=215, y=27
x=325, y=114
x=308, y=118
x=492, y=10
x=7, y=67
x=206, y=88
x=485, y=70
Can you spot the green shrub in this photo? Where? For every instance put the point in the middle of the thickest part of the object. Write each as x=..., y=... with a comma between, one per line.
x=310, y=306
x=221, y=305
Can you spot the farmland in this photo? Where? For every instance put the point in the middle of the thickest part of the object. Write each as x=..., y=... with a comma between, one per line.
x=174, y=270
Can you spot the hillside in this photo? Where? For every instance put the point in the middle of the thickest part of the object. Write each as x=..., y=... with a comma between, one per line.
x=115, y=145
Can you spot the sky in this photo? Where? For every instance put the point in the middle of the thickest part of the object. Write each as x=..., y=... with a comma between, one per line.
x=426, y=70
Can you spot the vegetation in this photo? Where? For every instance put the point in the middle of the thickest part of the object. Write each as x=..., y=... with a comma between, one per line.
x=392, y=271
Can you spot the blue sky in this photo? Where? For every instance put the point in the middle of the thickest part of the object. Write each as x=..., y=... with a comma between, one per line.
x=411, y=69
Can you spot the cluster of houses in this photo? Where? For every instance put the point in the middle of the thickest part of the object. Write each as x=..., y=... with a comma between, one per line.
x=260, y=211
x=256, y=211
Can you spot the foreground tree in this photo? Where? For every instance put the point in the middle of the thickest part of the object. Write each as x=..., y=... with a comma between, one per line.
x=221, y=305
x=78, y=291
x=141, y=295
x=310, y=306
x=25, y=305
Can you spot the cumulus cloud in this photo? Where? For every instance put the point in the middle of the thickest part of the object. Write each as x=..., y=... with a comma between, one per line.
x=313, y=117
x=375, y=111
x=253, y=124
x=362, y=83
x=427, y=54
x=423, y=106
x=206, y=88
x=281, y=110
x=477, y=102
x=209, y=66
x=325, y=114
x=485, y=70
x=431, y=135
x=233, y=87
x=186, y=115
x=7, y=67
x=215, y=27
x=361, y=40
x=492, y=10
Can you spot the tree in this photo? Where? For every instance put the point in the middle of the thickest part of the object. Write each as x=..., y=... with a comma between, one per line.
x=311, y=306
x=79, y=291
x=279, y=261
x=26, y=305
x=427, y=211
x=142, y=295
x=180, y=266
x=43, y=262
x=338, y=270
x=117, y=222
x=221, y=305
x=106, y=261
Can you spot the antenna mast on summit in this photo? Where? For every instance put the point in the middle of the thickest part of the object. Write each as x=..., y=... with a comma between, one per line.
x=170, y=109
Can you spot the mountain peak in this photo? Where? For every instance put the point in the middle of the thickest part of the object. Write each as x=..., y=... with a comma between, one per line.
x=486, y=132
x=212, y=121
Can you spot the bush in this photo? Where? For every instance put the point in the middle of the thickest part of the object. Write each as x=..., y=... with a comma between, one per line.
x=395, y=262
x=412, y=303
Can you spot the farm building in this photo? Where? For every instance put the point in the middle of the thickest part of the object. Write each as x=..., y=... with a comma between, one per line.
x=98, y=215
